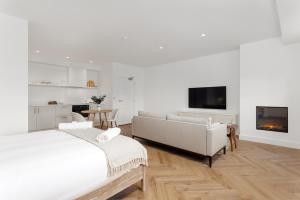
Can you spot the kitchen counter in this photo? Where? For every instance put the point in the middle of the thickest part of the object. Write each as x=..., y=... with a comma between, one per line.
x=59, y=104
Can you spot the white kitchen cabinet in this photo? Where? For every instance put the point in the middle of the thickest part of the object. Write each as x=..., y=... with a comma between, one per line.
x=63, y=110
x=48, y=117
x=45, y=117
x=32, y=118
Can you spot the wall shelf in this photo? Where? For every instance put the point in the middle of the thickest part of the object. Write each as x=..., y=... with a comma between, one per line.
x=60, y=86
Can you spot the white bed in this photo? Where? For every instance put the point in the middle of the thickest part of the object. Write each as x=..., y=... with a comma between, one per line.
x=49, y=165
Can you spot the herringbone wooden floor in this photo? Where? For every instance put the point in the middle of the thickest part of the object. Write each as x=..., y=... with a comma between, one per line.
x=253, y=171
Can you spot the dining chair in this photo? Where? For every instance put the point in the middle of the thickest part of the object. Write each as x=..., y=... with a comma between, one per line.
x=112, y=118
x=78, y=117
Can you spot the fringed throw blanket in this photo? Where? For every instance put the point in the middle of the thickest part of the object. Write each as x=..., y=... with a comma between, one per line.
x=122, y=153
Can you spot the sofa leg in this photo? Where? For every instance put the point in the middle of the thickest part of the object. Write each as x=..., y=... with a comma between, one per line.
x=224, y=150
x=210, y=161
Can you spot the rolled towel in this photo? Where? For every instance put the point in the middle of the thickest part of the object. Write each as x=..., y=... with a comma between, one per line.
x=75, y=125
x=108, y=134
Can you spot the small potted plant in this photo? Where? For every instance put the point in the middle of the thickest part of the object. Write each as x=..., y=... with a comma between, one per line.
x=98, y=100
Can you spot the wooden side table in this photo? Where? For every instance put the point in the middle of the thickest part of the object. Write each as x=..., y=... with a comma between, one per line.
x=232, y=135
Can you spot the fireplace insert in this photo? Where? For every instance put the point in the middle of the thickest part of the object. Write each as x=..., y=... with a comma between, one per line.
x=272, y=118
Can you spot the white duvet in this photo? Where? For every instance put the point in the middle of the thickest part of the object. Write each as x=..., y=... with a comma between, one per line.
x=49, y=165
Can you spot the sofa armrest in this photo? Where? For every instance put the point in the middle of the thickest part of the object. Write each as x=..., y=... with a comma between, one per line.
x=216, y=138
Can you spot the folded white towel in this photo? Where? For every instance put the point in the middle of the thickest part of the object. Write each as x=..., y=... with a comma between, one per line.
x=75, y=125
x=108, y=134
x=84, y=125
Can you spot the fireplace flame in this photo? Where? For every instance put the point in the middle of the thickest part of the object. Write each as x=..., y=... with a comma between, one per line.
x=273, y=126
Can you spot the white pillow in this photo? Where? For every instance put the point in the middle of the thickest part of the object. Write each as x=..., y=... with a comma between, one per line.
x=173, y=117
x=194, y=120
x=152, y=115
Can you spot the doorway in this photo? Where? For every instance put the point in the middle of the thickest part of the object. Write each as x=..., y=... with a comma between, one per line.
x=123, y=99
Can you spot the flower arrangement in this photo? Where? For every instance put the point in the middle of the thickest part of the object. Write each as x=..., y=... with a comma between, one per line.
x=98, y=100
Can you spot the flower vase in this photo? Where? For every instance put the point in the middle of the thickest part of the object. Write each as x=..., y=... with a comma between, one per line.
x=98, y=107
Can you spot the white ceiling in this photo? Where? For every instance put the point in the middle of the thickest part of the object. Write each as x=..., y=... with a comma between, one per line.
x=94, y=29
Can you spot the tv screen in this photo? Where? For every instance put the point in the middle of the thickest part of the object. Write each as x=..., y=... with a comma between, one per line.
x=208, y=97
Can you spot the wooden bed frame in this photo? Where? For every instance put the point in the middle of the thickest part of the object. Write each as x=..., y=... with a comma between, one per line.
x=119, y=184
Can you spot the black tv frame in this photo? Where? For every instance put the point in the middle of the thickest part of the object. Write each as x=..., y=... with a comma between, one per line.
x=221, y=108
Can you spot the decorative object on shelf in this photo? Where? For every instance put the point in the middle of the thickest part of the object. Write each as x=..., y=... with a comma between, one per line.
x=46, y=82
x=90, y=84
x=52, y=103
x=98, y=100
x=59, y=86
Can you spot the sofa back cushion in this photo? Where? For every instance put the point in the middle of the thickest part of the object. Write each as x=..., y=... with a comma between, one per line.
x=194, y=120
x=216, y=117
x=152, y=115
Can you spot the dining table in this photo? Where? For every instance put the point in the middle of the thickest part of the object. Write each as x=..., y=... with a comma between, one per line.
x=93, y=112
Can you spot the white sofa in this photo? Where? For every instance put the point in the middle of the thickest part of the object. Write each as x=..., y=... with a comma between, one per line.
x=187, y=133
x=216, y=117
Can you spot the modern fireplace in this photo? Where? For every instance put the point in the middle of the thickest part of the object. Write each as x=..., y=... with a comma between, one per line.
x=272, y=118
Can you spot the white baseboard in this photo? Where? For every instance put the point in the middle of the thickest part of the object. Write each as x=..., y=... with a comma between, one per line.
x=290, y=144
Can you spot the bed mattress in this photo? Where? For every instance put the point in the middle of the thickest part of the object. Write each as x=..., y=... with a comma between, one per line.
x=49, y=165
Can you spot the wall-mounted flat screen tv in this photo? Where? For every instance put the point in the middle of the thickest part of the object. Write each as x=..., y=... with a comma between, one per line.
x=208, y=97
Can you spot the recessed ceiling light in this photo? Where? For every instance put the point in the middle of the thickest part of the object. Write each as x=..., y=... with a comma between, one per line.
x=161, y=47
x=90, y=61
x=125, y=37
x=37, y=51
x=203, y=35
x=68, y=57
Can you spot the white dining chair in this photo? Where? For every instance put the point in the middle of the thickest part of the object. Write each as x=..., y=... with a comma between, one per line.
x=76, y=117
x=112, y=118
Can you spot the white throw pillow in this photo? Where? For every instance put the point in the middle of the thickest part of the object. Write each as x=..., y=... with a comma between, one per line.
x=195, y=120
x=151, y=115
x=173, y=117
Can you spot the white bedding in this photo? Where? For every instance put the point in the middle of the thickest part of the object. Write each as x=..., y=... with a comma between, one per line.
x=49, y=165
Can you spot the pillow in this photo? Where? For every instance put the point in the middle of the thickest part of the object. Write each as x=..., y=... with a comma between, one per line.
x=151, y=115
x=173, y=117
x=194, y=120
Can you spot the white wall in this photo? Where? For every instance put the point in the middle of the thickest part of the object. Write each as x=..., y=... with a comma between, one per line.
x=13, y=75
x=122, y=70
x=106, y=85
x=269, y=76
x=166, y=86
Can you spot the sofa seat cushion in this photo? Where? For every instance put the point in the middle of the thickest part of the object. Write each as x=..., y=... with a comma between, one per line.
x=194, y=120
x=152, y=115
